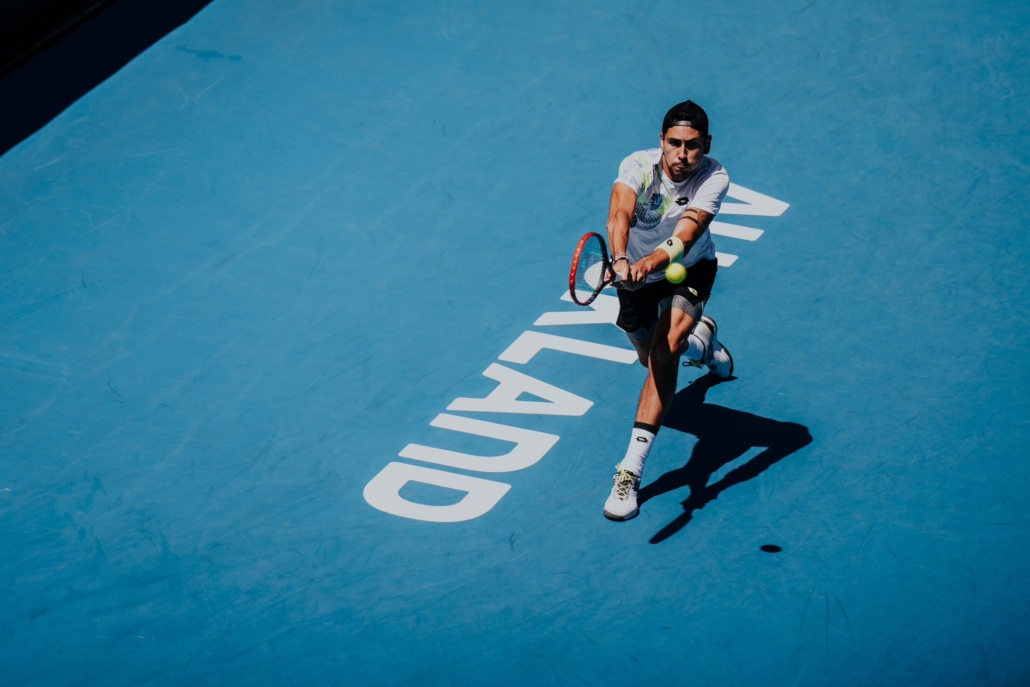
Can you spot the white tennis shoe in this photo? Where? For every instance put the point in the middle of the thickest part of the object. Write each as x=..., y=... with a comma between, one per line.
x=622, y=502
x=717, y=357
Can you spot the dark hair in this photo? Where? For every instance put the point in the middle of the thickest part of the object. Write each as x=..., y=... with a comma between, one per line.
x=687, y=113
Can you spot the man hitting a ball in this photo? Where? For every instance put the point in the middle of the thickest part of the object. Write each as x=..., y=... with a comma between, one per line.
x=660, y=209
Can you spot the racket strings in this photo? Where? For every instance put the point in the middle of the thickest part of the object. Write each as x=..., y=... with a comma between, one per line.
x=590, y=272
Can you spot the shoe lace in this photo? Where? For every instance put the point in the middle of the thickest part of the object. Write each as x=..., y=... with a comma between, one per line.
x=624, y=480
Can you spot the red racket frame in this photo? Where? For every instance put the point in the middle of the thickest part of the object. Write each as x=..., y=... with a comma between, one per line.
x=606, y=265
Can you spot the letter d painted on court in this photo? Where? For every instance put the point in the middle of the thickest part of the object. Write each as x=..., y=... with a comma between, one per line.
x=383, y=493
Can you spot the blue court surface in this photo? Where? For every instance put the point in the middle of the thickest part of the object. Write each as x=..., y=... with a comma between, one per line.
x=290, y=395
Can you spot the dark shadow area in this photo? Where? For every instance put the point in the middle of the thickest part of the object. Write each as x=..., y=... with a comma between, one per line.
x=28, y=26
x=81, y=50
x=723, y=435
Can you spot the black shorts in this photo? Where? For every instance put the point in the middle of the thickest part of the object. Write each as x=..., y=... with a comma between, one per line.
x=639, y=310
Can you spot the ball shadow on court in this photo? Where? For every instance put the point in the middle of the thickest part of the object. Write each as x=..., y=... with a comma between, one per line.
x=723, y=435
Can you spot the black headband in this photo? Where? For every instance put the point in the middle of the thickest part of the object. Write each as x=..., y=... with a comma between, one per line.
x=688, y=114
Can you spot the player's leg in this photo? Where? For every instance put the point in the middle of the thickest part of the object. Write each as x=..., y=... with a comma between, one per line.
x=638, y=311
x=670, y=338
x=679, y=331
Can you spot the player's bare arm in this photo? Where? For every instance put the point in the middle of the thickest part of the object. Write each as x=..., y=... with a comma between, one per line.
x=620, y=209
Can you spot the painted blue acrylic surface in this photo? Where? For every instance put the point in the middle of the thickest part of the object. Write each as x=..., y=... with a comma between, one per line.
x=237, y=278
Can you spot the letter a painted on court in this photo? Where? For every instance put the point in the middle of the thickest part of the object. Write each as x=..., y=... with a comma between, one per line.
x=504, y=399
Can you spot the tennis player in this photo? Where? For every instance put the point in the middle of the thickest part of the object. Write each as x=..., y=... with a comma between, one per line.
x=660, y=209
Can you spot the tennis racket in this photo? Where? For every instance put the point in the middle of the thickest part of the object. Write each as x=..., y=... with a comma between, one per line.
x=591, y=269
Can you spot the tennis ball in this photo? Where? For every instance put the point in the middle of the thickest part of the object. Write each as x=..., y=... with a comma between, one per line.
x=675, y=273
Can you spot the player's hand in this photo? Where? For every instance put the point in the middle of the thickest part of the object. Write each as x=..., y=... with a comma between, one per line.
x=639, y=270
x=621, y=270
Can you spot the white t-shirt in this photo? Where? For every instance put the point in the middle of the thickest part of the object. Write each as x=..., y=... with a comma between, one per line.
x=661, y=202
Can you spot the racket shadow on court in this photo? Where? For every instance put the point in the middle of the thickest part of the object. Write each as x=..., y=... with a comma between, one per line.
x=723, y=435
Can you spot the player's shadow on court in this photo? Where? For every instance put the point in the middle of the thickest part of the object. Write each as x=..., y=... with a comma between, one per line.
x=723, y=435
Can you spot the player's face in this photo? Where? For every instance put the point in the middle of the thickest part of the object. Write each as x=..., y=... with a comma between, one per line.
x=682, y=150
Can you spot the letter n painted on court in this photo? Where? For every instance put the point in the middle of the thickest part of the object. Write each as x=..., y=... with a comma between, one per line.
x=530, y=446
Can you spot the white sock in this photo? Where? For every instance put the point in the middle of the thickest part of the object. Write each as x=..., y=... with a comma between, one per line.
x=639, y=446
x=695, y=349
